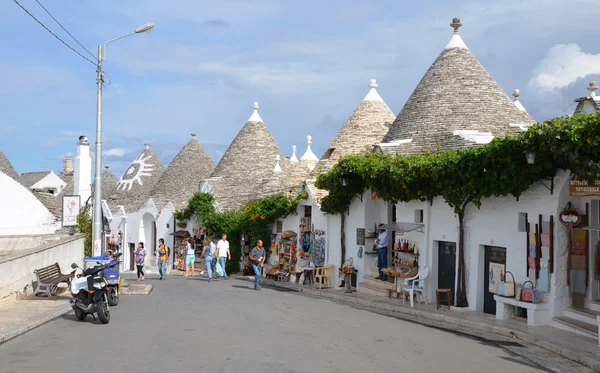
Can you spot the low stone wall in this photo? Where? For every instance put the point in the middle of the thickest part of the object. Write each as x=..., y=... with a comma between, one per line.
x=17, y=268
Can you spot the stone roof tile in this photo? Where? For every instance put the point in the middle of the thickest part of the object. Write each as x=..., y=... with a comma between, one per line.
x=7, y=167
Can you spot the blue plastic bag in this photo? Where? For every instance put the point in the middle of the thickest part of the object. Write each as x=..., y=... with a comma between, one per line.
x=219, y=269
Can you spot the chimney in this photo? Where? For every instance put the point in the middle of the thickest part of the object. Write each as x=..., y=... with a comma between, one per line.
x=82, y=178
x=68, y=164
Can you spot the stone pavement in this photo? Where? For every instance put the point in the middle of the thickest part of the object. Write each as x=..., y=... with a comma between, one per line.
x=18, y=316
x=580, y=349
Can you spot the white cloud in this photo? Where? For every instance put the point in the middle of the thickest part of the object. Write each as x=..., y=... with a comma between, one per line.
x=563, y=65
x=116, y=152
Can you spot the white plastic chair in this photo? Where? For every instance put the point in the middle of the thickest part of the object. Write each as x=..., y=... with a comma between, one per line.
x=416, y=285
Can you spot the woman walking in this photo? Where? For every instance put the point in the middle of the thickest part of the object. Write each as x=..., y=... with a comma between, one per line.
x=190, y=258
x=140, y=260
x=208, y=253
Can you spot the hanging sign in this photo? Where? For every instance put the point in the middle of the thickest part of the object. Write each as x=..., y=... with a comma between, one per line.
x=569, y=216
x=70, y=210
x=582, y=188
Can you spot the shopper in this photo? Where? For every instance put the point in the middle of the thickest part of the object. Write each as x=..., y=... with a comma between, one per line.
x=190, y=257
x=382, y=252
x=223, y=253
x=140, y=260
x=208, y=253
x=257, y=256
x=163, y=259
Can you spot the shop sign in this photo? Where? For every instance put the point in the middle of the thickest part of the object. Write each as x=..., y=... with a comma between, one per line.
x=70, y=210
x=582, y=188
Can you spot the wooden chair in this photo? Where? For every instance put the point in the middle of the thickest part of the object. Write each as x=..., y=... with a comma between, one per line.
x=323, y=276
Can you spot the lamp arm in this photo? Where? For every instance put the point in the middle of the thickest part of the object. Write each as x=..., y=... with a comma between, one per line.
x=110, y=41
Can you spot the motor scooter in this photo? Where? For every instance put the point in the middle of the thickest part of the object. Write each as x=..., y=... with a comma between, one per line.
x=90, y=294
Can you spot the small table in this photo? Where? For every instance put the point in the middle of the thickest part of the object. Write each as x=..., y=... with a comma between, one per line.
x=309, y=274
x=448, y=297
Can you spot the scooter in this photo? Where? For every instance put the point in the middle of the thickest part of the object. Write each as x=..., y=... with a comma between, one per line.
x=90, y=294
x=113, y=280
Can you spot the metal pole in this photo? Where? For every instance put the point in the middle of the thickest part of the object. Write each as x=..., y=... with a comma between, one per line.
x=97, y=216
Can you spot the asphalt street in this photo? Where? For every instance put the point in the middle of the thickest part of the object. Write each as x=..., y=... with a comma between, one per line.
x=190, y=325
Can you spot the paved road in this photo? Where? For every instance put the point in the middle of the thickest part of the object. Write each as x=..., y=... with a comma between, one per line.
x=190, y=325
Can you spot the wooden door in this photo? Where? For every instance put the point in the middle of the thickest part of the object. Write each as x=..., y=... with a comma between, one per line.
x=131, y=256
x=447, y=266
x=493, y=254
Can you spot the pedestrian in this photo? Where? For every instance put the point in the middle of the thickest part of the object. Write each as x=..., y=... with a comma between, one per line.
x=163, y=259
x=190, y=258
x=223, y=253
x=140, y=260
x=382, y=252
x=208, y=253
x=257, y=256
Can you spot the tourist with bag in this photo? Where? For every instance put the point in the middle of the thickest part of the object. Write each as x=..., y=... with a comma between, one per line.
x=140, y=260
x=208, y=253
x=163, y=258
x=190, y=258
x=224, y=254
x=257, y=256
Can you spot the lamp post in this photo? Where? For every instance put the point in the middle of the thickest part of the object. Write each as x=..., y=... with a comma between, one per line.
x=97, y=214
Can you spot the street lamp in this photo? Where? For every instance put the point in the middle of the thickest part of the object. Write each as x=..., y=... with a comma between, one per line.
x=97, y=215
x=530, y=156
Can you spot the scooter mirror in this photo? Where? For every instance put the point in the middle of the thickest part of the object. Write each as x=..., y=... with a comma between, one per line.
x=74, y=266
x=117, y=255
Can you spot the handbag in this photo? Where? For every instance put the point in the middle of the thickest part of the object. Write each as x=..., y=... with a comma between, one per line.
x=531, y=294
x=519, y=288
x=507, y=288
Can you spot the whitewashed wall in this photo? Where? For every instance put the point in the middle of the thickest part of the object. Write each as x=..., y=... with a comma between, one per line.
x=22, y=213
x=17, y=270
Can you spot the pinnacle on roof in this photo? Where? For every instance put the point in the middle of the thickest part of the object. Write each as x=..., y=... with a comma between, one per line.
x=255, y=117
x=6, y=167
x=294, y=158
x=373, y=95
x=367, y=125
x=308, y=154
x=277, y=166
x=455, y=95
x=518, y=103
x=109, y=183
x=180, y=180
x=592, y=88
x=588, y=104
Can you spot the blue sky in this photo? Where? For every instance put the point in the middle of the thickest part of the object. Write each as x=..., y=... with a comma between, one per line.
x=307, y=63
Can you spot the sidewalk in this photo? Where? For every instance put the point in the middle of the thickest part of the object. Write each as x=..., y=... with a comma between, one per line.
x=580, y=349
x=18, y=316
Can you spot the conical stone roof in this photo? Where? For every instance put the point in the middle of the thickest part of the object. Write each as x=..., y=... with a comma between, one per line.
x=6, y=167
x=456, y=104
x=109, y=183
x=367, y=126
x=251, y=154
x=180, y=180
x=136, y=183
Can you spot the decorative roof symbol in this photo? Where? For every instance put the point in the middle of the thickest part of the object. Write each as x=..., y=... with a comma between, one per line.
x=138, y=168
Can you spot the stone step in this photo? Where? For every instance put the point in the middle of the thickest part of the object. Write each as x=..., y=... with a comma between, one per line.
x=377, y=284
x=368, y=289
x=582, y=314
x=576, y=326
x=595, y=305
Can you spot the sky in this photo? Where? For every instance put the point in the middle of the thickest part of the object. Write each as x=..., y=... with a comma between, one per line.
x=307, y=63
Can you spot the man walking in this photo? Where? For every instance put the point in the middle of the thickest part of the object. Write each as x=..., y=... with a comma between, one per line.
x=223, y=253
x=163, y=258
x=382, y=252
x=257, y=255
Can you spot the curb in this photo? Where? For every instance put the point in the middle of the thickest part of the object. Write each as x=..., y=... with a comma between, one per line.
x=411, y=314
x=24, y=329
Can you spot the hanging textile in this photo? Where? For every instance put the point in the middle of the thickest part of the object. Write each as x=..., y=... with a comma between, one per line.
x=544, y=280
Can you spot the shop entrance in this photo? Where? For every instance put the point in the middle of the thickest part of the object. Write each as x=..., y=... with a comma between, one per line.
x=446, y=265
x=497, y=255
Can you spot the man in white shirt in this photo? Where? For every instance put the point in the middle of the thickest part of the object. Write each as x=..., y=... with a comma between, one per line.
x=382, y=252
x=223, y=253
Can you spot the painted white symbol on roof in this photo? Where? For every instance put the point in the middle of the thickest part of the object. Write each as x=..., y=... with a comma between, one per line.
x=138, y=168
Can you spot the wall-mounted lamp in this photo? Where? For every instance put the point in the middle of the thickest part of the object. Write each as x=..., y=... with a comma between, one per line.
x=344, y=181
x=530, y=156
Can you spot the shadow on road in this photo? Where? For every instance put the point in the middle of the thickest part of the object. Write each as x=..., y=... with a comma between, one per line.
x=70, y=316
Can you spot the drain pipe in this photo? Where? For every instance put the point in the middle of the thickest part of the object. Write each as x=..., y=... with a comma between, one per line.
x=428, y=246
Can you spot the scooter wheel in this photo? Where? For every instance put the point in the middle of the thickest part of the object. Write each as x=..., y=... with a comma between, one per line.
x=113, y=297
x=79, y=314
x=103, y=312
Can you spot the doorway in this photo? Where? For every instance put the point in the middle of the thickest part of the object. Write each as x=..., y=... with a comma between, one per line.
x=493, y=254
x=447, y=266
x=131, y=256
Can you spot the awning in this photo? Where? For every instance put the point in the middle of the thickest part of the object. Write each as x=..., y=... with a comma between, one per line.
x=403, y=227
x=183, y=234
x=286, y=234
x=593, y=227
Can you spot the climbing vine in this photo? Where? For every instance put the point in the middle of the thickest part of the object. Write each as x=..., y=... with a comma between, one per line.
x=255, y=218
x=84, y=225
x=467, y=176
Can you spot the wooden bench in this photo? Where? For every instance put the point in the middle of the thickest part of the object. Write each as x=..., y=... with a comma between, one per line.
x=537, y=313
x=49, y=277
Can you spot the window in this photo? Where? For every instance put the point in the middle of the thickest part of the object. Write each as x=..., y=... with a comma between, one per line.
x=307, y=211
x=393, y=213
x=328, y=153
x=418, y=216
x=279, y=226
